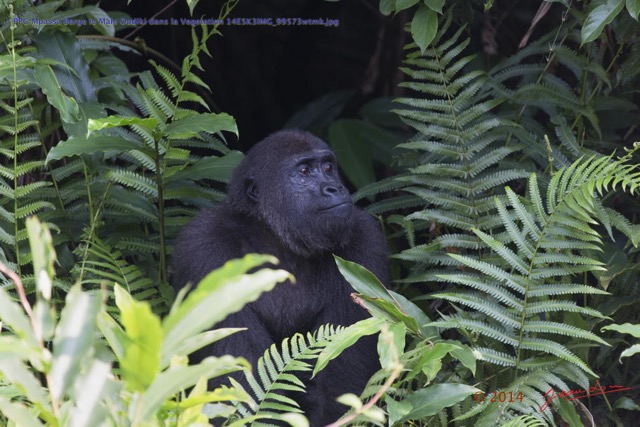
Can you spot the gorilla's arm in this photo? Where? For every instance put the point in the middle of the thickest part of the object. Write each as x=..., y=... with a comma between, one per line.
x=205, y=244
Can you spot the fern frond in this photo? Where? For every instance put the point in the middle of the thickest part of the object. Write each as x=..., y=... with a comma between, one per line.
x=277, y=374
x=133, y=180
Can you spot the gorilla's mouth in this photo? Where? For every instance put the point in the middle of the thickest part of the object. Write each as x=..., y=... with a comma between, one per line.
x=343, y=204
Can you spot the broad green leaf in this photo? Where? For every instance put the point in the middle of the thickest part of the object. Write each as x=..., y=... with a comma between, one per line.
x=117, y=121
x=373, y=291
x=196, y=342
x=113, y=333
x=362, y=280
x=98, y=14
x=73, y=74
x=465, y=355
x=222, y=292
x=405, y=4
x=424, y=27
x=383, y=309
x=46, y=79
x=388, y=354
x=216, y=168
x=75, y=146
x=634, y=349
x=387, y=6
x=626, y=403
x=431, y=359
x=416, y=312
x=397, y=410
x=192, y=5
x=141, y=361
x=626, y=328
x=43, y=255
x=17, y=374
x=74, y=338
x=12, y=314
x=431, y=400
x=18, y=413
x=178, y=378
x=92, y=391
x=598, y=18
x=346, y=137
x=346, y=338
x=568, y=413
x=435, y=5
x=190, y=125
x=11, y=346
x=633, y=7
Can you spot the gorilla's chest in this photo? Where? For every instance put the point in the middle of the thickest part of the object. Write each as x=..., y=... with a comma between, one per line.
x=299, y=307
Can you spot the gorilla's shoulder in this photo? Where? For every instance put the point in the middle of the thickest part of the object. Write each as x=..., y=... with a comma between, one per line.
x=214, y=222
x=205, y=243
x=365, y=222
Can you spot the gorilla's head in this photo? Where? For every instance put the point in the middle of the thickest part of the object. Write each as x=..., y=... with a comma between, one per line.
x=289, y=181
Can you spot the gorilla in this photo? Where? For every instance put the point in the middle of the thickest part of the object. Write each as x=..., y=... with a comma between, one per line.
x=286, y=199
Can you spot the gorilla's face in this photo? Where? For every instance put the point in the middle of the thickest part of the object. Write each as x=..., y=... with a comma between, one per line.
x=315, y=184
x=314, y=208
x=290, y=182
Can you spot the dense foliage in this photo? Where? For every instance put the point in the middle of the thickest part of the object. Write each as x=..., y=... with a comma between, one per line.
x=509, y=212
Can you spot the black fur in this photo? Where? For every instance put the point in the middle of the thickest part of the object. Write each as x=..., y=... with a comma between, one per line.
x=286, y=199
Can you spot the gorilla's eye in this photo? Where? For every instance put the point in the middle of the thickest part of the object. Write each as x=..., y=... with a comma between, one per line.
x=328, y=168
x=305, y=170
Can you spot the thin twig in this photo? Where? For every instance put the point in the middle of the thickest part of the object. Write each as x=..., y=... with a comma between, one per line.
x=21, y=293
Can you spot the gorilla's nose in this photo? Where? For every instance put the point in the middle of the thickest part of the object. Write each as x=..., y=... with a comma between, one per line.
x=331, y=190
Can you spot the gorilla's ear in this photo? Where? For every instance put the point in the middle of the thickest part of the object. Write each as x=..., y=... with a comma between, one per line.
x=251, y=189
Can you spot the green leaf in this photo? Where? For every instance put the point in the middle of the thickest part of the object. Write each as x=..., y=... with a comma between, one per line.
x=227, y=289
x=12, y=315
x=431, y=359
x=424, y=27
x=192, y=5
x=17, y=374
x=43, y=255
x=113, y=333
x=625, y=328
x=18, y=413
x=387, y=6
x=431, y=400
x=392, y=306
x=97, y=386
x=633, y=7
x=351, y=140
x=362, y=280
x=75, y=146
x=598, y=18
x=345, y=339
x=216, y=168
x=404, y=4
x=141, y=361
x=46, y=79
x=190, y=125
x=568, y=413
x=116, y=121
x=634, y=349
x=73, y=74
x=435, y=5
x=389, y=353
x=74, y=338
x=178, y=378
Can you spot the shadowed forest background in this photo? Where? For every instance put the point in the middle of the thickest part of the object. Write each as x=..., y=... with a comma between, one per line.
x=494, y=141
